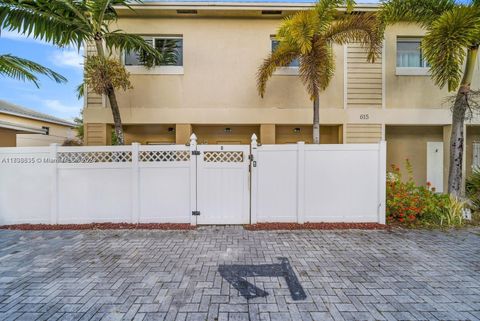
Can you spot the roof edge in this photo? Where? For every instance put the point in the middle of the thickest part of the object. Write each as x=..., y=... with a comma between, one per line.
x=63, y=123
x=237, y=5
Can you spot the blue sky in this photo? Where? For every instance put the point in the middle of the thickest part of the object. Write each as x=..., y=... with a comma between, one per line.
x=55, y=99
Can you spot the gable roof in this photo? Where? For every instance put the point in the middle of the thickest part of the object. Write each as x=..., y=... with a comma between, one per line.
x=12, y=109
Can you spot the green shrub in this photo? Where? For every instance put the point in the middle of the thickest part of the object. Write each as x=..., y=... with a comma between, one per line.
x=413, y=205
x=472, y=188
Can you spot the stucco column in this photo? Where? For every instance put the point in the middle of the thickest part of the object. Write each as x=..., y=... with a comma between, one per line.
x=97, y=134
x=183, y=133
x=267, y=133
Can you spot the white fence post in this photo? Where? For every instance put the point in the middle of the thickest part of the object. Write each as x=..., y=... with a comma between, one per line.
x=54, y=190
x=382, y=181
x=193, y=179
x=300, y=182
x=253, y=180
x=135, y=217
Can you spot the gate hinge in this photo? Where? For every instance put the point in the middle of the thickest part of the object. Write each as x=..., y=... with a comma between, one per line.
x=195, y=213
x=250, y=157
x=195, y=152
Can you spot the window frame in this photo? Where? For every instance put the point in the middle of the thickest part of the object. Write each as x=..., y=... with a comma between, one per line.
x=422, y=70
x=161, y=69
x=287, y=70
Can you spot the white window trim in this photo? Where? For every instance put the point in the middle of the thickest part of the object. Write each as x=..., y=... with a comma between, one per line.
x=157, y=70
x=286, y=71
x=412, y=71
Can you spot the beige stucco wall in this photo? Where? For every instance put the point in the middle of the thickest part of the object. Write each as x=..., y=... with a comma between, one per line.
x=411, y=91
x=410, y=142
x=473, y=135
x=210, y=134
x=221, y=58
x=150, y=134
x=328, y=134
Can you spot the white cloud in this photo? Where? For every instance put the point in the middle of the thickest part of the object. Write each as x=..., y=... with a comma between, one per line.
x=61, y=109
x=13, y=35
x=68, y=58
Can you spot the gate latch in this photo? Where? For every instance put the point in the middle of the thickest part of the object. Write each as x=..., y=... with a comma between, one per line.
x=195, y=152
x=196, y=213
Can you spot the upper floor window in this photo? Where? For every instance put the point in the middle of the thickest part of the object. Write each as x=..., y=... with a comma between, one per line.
x=275, y=43
x=409, y=53
x=170, y=47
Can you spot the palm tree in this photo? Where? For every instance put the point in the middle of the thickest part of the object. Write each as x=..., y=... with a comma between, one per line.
x=26, y=70
x=450, y=46
x=309, y=35
x=75, y=23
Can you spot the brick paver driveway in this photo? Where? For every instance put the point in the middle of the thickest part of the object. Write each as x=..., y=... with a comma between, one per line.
x=174, y=275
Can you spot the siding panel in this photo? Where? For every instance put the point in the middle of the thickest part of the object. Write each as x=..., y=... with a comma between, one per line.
x=363, y=133
x=364, y=79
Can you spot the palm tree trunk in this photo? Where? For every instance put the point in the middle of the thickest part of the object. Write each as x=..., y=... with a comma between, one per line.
x=458, y=120
x=316, y=120
x=112, y=98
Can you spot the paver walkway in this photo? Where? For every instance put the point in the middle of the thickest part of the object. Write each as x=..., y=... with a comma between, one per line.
x=174, y=275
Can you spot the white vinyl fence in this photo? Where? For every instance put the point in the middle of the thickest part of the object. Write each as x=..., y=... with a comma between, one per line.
x=318, y=183
x=193, y=184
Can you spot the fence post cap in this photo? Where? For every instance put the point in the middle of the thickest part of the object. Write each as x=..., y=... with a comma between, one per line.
x=193, y=136
x=254, y=137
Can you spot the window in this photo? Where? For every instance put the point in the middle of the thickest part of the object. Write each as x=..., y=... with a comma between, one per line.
x=409, y=53
x=275, y=43
x=170, y=47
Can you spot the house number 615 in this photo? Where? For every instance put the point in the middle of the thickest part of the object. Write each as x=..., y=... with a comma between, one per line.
x=364, y=116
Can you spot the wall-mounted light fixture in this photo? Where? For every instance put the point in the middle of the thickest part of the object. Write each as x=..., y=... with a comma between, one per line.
x=227, y=130
x=297, y=130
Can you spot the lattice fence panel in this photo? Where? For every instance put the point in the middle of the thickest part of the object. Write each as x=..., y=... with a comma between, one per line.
x=165, y=156
x=95, y=157
x=223, y=157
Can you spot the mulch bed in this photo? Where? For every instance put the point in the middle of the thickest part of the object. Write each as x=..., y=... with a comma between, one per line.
x=315, y=226
x=98, y=226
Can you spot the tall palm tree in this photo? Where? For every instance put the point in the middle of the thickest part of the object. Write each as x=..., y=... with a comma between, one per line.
x=26, y=70
x=450, y=46
x=75, y=23
x=309, y=35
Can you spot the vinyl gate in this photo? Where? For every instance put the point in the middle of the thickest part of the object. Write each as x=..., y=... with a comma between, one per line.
x=195, y=184
x=223, y=184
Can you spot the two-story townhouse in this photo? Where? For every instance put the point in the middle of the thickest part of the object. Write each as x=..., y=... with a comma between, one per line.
x=210, y=89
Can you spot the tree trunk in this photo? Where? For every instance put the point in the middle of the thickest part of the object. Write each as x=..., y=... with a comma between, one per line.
x=116, y=116
x=455, y=178
x=316, y=120
x=112, y=98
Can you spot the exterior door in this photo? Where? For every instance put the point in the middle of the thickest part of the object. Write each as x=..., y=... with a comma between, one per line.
x=223, y=187
x=435, y=165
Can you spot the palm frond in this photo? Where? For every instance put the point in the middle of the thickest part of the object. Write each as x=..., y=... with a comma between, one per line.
x=51, y=21
x=446, y=43
x=26, y=70
x=80, y=90
x=360, y=28
x=317, y=68
x=281, y=57
x=299, y=29
x=423, y=12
